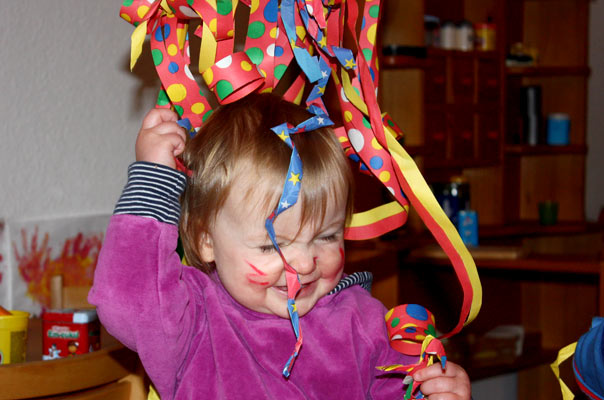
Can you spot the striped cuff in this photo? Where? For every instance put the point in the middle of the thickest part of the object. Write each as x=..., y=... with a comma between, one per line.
x=363, y=279
x=152, y=191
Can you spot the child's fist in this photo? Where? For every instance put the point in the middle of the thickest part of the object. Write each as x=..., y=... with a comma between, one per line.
x=451, y=384
x=160, y=138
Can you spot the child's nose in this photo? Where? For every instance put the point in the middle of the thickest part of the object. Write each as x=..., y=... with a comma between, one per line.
x=304, y=261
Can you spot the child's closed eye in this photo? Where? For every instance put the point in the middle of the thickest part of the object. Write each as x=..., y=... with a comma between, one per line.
x=329, y=238
x=269, y=248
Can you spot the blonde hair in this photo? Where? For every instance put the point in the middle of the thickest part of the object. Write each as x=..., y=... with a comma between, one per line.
x=237, y=141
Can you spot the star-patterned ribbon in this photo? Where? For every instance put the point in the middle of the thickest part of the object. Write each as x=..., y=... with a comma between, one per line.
x=289, y=197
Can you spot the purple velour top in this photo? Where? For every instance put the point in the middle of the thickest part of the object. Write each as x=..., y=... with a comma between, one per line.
x=196, y=342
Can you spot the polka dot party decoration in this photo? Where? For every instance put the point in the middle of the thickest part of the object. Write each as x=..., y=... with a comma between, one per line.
x=297, y=47
x=412, y=331
x=229, y=86
x=408, y=325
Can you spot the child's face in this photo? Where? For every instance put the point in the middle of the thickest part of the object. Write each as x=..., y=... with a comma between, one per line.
x=252, y=271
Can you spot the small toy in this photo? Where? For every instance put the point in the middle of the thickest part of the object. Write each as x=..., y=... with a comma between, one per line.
x=69, y=332
x=13, y=336
x=588, y=362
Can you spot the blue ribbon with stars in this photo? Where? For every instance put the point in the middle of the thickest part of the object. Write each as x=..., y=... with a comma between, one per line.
x=289, y=197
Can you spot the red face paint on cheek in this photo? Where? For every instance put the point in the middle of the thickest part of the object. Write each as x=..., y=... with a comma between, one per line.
x=258, y=272
x=343, y=256
x=252, y=277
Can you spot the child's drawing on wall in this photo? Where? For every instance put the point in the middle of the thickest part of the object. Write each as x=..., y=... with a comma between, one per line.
x=42, y=249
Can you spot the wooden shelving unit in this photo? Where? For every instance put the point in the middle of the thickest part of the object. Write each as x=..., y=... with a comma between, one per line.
x=461, y=108
x=460, y=113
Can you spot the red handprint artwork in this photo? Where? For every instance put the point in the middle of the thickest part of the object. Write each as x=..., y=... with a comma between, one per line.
x=36, y=263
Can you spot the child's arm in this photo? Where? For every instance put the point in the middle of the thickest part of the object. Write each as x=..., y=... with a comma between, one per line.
x=451, y=384
x=138, y=288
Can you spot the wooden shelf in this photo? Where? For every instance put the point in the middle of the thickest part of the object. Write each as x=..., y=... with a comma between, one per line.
x=35, y=377
x=439, y=163
x=563, y=264
x=526, y=150
x=411, y=62
x=548, y=71
x=403, y=62
x=435, y=51
x=551, y=263
x=533, y=228
x=543, y=356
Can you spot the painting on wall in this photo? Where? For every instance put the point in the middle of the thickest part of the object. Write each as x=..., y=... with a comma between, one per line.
x=32, y=252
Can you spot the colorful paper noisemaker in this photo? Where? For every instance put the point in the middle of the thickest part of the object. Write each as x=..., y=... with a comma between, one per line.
x=311, y=33
x=412, y=331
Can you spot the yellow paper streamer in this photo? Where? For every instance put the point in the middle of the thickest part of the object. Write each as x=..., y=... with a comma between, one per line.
x=207, y=51
x=564, y=353
x=137, y=40
x=426, y=198
x=371, y=216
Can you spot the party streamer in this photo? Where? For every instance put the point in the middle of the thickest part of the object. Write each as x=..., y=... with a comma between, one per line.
x=306, y=36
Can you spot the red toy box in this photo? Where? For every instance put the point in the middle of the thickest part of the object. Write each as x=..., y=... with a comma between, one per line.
x=69, y=332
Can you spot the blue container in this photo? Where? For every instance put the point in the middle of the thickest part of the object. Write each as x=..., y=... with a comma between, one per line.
x=453, y=196
x=467, y=226
x=558, y=129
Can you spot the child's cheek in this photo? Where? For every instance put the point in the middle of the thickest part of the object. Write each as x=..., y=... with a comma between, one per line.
x=332, y=264
x=256, y=276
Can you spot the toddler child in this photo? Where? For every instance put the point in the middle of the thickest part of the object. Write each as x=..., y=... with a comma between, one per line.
x=220, y=329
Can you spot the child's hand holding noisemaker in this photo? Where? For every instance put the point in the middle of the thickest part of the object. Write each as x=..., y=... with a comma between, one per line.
x=160, y=138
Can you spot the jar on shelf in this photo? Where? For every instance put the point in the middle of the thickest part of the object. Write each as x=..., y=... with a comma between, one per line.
x=448, y=35
x=453, y=196
x=464, y=36
x=484, y=33
x=431, y=31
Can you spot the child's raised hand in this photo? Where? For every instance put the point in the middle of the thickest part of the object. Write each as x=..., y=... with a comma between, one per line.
x=451, y=384
x=160, y=138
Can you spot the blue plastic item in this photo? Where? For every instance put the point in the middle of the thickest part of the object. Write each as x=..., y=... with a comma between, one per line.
x=588, y=361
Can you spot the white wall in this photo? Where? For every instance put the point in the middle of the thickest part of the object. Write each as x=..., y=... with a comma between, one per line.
x=70, y=108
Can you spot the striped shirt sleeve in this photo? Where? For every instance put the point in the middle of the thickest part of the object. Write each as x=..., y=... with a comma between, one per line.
x=152, y=191
x=363, y=279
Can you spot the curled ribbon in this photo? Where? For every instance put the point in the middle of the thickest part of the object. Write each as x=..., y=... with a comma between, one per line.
x=289, y=197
